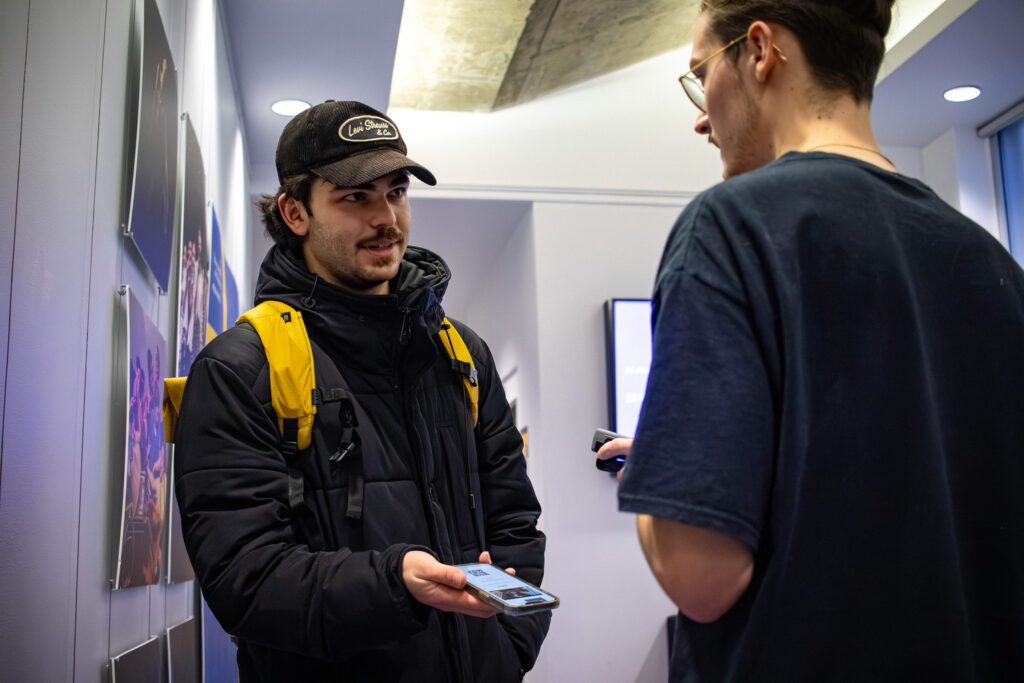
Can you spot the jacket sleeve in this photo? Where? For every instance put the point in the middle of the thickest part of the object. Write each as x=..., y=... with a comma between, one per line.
x=259, y=579
x=510, y=505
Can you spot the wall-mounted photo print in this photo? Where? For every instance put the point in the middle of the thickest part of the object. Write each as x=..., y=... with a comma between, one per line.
x=182, y=663
x=142, y=663
x=145, y=470
x=179, y=567
x=193, y=257
x=153, y=174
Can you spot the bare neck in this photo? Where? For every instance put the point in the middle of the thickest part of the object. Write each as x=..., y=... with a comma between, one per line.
x=839, y=126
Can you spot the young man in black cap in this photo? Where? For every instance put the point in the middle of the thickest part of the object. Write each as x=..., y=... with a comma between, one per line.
x=829, y=460
x=336, y=563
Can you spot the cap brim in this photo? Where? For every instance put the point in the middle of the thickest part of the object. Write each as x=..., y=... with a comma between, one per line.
x=363, y=168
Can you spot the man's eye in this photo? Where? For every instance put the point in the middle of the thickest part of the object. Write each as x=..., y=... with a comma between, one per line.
x=400, y=191
x=353, y=197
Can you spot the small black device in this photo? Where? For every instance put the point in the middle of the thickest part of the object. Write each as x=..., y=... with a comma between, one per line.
x=612, y=465
x=506, y=593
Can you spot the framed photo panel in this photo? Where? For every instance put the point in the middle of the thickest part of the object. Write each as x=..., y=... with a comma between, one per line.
x=182, y=662
x=141, y=664
x=141, y=539
x=179, y=567
x=154, y=152
x=193, y=257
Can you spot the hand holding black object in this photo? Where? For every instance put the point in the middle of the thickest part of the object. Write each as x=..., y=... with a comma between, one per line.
x=612, y=450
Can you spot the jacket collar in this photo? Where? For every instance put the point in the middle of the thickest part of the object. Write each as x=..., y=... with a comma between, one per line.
x=371, y=331
x=418, y=289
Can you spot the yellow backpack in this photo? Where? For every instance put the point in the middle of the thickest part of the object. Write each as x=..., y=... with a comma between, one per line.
x=293, y=390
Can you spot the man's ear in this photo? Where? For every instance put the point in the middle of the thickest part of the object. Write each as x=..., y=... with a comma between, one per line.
x=765, y=55
x=294, y=214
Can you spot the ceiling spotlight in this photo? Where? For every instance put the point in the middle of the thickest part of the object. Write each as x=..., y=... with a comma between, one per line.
x=289, y=107
x=963, y=93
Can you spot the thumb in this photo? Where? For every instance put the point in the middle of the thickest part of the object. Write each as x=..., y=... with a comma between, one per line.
x=451, y=576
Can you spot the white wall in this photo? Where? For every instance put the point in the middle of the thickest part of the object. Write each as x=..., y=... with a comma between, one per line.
x=63, y=81
x=503, y=310
x=958, y=166
x=541, y=309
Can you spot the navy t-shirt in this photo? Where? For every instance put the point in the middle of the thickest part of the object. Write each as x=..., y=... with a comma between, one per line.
x=838, y=383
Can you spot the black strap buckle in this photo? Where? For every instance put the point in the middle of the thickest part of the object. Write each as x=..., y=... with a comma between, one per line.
x=466, y=370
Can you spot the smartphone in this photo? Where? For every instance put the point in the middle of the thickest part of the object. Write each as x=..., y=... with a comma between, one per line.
x=506, y=593
x=601, y=437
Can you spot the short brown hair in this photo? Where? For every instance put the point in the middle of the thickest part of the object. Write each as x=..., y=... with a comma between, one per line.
x=297, y=186
x=843, y=40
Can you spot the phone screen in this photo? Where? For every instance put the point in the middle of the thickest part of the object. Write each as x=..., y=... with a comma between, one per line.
x=511, y=591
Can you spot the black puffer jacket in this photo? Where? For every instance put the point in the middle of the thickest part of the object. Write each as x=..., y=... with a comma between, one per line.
x=314, y=592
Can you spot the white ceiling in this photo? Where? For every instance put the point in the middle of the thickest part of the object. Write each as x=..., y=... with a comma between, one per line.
x=982, y=47
x=311, y=50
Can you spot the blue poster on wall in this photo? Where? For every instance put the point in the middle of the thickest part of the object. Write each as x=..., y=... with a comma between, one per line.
x=230, y=296
x=215, y=316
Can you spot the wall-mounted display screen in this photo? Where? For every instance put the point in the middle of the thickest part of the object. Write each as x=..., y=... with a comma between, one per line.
x=628, y=347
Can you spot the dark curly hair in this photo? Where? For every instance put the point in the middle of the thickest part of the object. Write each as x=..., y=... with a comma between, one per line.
x=297, y=186
x=843, y=40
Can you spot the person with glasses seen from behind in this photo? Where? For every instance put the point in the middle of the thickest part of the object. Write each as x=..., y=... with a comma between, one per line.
x=828, y=466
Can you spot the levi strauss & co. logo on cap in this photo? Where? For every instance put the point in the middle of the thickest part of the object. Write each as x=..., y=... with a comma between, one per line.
x=367, y=129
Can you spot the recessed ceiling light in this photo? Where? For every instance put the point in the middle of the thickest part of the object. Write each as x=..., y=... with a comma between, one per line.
x=289, y=107
x=963, y=93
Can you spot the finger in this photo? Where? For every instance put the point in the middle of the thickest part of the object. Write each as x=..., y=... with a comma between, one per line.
x=485, y=557
x=443, y=574
x=454, y=577
x=448, y=600
x=476, y=607
x=511, y=571
x=615, y=447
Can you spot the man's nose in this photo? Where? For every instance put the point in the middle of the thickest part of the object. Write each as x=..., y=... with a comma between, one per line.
x=381, y=212
x=702, y=126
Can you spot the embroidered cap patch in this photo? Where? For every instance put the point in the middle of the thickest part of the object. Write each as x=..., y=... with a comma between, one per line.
x=367, y=129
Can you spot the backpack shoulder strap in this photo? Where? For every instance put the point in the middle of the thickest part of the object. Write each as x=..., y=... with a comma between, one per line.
x=290, y=360
x=462, y=363
x=174, y=387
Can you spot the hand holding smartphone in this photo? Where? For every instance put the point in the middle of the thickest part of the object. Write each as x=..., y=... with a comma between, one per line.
x=611, y=465
x=506, y=593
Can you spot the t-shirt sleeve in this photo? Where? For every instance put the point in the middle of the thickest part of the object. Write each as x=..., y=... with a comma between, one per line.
x=705, y=439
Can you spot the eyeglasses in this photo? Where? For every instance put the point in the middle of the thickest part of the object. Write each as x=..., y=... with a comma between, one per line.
x=692, y=85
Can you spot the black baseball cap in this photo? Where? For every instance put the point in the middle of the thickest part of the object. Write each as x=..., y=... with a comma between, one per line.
x=346, y=143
